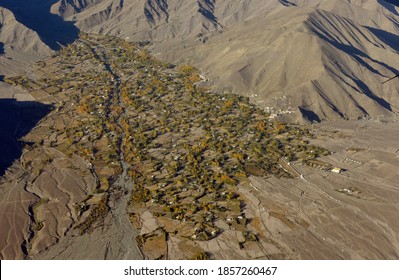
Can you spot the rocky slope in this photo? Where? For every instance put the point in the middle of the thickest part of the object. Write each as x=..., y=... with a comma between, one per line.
x=36, y=16
x=15, y=35
x=70, y=7
x=319, y=61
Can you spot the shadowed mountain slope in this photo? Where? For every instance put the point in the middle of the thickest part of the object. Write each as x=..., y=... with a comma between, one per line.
x=71, y=7
x=35, y=15
x=17, y=118
x=17, y=36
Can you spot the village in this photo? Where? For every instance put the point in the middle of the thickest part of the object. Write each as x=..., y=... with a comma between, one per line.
x=188, y=150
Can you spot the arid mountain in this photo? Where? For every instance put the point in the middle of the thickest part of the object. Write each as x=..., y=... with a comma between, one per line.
x=323, y=59
x=17, y=36
x=318, y=60
x=70, y=7
x=35, y=15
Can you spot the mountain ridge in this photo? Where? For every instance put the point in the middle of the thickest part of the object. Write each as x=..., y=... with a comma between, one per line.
x=327, y=57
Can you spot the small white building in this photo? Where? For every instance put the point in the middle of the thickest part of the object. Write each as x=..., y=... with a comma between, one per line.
x=337, y=170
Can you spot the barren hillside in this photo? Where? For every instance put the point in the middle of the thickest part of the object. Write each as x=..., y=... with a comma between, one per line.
x=326, y=64
x=15, y=35
x=324, y=59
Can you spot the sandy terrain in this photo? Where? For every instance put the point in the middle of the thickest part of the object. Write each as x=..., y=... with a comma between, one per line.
x=350, y=215
x=15, y=221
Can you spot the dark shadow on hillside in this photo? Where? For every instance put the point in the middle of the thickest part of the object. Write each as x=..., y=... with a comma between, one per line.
x=309, y=115
x=17, y=118
x=287, y=3
x=390, y=5
x=388, y=38
x=207, y=9
x=361, y=57
x=158, y=8
x=35, y=14
x=360, y=87
x=357, y=54
x=367, y=91
x=1, y=52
